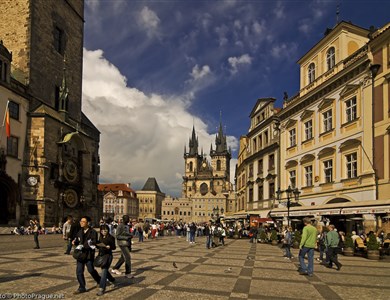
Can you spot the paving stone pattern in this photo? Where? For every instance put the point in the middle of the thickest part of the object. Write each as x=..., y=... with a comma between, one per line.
x=239, y=270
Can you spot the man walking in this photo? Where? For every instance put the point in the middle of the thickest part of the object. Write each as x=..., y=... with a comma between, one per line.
x=332, y=243
x=66, y=234
x=86, y=238
x=307, y=245
x=124, y=237
x=35, y=227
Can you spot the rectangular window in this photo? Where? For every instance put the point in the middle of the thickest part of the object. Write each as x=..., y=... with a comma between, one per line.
x=309, y=175
x=308, y=130
x=260, y=166
x=13, y=110
x=327, y=116
x=271, y=162
x=261, y=192
x=59, y=40
x=351, y=109
x=266, y=137
x=293, y=176
x=271, y=190
x=292, y=137
x=250, y=195
x=251, y=170
x=328, y=170
x=260, y=141
x=254, y=144
x=12, y=146
x=351, y=165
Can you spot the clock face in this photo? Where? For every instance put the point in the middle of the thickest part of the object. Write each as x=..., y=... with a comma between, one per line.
x=71, y=198
x=32, y=180
x=70, y=171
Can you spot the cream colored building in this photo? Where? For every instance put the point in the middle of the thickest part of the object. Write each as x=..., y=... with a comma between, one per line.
x=14, y=93
x=150, y=200
x=176, y=209
x=257, y=167
x=119, y=199
x=326, y=135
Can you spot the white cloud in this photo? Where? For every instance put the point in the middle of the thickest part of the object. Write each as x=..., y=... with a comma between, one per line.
x=279, y=10
x=141, y=135
x=236, y=62
x=149, y=20
x=258, y=28
x=198, y=73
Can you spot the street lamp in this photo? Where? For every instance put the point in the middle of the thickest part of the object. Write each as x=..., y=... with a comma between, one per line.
x=290, y=192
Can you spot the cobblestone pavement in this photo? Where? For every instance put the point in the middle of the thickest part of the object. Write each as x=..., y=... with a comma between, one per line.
x=239, y=270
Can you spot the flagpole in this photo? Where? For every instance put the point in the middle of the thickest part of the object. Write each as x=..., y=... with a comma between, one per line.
x=2, y=126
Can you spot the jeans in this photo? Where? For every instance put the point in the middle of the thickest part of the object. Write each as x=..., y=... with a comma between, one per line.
x=106, y=275
x=310, y=258
x=140, y=236
x=68, y=246
x=125, y=258
x=36, y=234
x=222, y=239
x=288, y=250
x=80, y=273
x=322, y=251
x=209, y=241
x=192, y=237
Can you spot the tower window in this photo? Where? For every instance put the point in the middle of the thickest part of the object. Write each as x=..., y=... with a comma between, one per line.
x=59, y=40
x=218, y=165
x=13, y=110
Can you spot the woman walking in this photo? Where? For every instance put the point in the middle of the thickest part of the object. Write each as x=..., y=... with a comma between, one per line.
x=105, y=245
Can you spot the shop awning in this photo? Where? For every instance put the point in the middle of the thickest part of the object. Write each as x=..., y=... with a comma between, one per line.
x=260, y=213
x=344, y=208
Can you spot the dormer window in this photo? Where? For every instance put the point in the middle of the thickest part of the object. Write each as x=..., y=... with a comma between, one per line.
x=331, y=58
x=311, y=73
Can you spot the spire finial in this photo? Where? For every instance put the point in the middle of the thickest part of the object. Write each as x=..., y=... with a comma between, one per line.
x=337, y=12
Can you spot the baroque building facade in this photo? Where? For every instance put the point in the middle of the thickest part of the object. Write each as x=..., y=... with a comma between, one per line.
x=60, y=159
x=258, y=162
x=119, y=199
x=327, y=148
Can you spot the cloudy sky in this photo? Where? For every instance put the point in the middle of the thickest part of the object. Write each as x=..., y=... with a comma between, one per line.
x=153, y=69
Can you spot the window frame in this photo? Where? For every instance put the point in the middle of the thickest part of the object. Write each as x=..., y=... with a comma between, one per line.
x=292, y=179
x=293, y=137
x=308, y=175
x=351, y=165
x=351, y=109
x=14, y=110
x=328, y=170
x=10, y=146
x=331, y=58
x=311, y=72
x=308, y=130
x=327, y=120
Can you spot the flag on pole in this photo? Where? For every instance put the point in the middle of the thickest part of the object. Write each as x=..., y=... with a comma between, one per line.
x=7, y=124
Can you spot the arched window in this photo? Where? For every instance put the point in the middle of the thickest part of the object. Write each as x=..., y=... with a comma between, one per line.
x=218, y=165
x=331, y=58
x=311, y=72
x=191, y=166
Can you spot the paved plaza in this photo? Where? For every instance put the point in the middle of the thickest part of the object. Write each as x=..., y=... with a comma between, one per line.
x=239, y=270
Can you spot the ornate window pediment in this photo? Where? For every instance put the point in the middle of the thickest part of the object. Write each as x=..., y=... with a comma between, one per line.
x=306, y=114
x=348, y=89
x=351, y=143
x=291, y=163
x=307, y=158
x=290, y=123
x=326, y=152
x=325, y=103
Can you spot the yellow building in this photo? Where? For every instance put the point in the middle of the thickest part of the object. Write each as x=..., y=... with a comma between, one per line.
x=257, y=167
x=176, y=209
x=150, y=200
x=326, y=135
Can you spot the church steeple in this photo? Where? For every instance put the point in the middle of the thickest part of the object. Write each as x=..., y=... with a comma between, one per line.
x=193, y=144
x=220, y=141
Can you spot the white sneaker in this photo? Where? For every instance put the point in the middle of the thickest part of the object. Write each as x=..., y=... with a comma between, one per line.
x=130, y=276
x=117, y=272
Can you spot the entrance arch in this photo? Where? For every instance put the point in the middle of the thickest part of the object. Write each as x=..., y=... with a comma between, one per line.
x=9, y=199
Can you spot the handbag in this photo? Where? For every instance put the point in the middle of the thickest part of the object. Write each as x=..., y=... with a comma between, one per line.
x=79, y=255
x=101, y=261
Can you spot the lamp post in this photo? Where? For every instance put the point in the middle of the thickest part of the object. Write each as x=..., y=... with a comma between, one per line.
x=374, y=71
x=290, y=192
